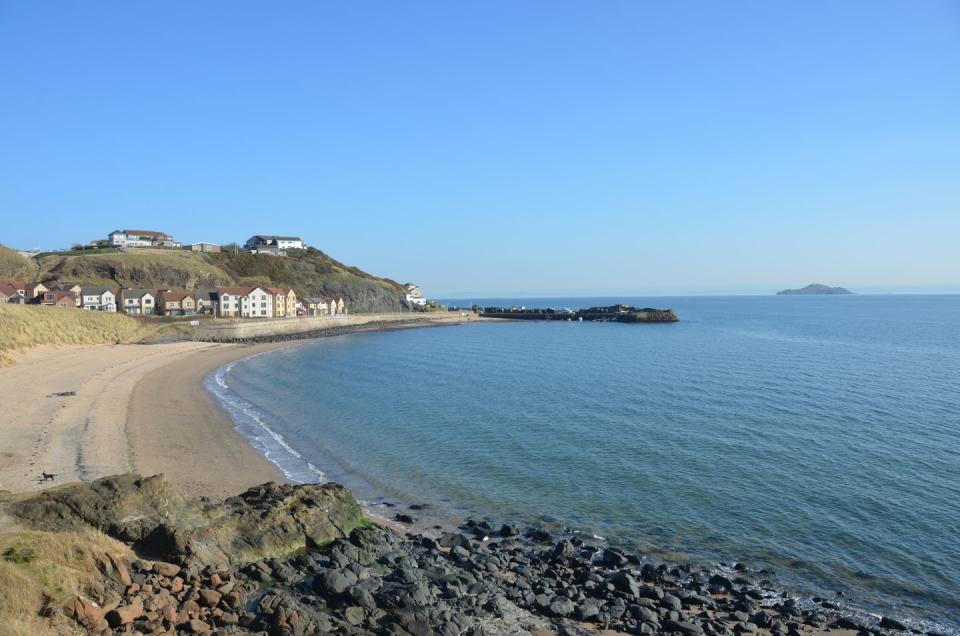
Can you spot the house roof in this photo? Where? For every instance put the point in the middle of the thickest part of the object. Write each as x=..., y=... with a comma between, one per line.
x=175, y=295
x=57, y=295
x=148, y=233
x=279, y=291
x=136, y=293
x=236, y=291
x=93, y=290
x=63, y=286
x=7, y=289
x=271, y=237
x=20, y=284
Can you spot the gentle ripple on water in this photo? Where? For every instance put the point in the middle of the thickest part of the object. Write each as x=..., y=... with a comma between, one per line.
x=818, y=435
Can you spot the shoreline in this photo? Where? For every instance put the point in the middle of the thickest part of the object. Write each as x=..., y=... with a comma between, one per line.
x=87, y=411
x=167, y=399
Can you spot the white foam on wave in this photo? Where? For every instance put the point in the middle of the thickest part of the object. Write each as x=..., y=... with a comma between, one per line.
x=252, y=424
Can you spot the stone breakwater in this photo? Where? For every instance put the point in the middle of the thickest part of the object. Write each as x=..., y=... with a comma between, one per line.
x=293, y=560
x=611, y=313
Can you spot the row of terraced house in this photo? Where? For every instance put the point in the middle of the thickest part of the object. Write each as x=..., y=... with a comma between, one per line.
x=275, y=302
x=226, y=302
x=136, y=302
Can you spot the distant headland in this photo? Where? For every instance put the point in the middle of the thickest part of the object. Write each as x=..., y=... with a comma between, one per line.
x=814, y=289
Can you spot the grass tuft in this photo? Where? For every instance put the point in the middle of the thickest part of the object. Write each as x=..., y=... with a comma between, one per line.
x=40, y=569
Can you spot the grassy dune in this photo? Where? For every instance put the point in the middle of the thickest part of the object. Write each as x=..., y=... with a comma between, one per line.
x=14, y=266
x=48, y=568
x=23, y=327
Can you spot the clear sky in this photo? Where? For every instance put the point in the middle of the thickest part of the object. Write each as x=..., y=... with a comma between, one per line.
x=501, y=147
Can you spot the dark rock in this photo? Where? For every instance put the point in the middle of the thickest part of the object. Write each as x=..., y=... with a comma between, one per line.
x=671, y=602
x=561, y=606
x=587, y=610
x=846, y=623
x=645, y=614
x=890, y=623
x=682, y=627
x=563, y=551
x=613, y=558
x=334, y=582
x=453, y=539
x=648, y=573
x=761, y=619
x=718, y=581
x=404, y=518
x=622, y=581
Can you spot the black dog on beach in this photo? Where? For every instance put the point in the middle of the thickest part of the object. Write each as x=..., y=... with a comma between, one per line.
x=46, y=477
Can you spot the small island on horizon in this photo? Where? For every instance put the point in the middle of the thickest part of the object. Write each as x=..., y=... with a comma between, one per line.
x=814, y=289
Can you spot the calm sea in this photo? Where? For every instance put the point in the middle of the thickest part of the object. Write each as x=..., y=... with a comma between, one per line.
x=818, y=436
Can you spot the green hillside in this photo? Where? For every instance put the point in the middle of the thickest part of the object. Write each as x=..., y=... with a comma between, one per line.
x=309, y=272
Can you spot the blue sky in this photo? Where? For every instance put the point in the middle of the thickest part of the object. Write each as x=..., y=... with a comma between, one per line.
x=501, y=148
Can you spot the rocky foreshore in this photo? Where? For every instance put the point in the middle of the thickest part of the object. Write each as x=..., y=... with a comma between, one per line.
x=301, y=559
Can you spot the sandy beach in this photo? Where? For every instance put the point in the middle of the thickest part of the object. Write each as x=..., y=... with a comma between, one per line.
x=88, y=411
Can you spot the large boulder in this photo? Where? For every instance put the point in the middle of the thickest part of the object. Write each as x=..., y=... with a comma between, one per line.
x=127, y=507
x=269, y=520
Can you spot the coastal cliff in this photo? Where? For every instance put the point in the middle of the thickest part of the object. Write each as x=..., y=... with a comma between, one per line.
x=300, y=559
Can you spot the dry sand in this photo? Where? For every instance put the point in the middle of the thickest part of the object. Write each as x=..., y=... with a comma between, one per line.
x=137, y=408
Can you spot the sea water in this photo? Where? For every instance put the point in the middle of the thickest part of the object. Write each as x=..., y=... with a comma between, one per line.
x=818, y=436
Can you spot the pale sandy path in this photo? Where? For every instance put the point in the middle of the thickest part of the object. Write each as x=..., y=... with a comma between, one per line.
x=104, y=429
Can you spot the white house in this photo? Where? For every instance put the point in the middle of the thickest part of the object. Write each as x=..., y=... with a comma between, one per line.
x=261, y=241
x=414, y=295
x=98, y=299
x=141, y=238
x=138, y=302
x=245, y=302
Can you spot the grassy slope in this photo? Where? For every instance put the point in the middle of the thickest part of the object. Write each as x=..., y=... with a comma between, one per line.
x=14, y=266
x=136, y=268
x=47, y=568
x=25, y=326
x=308, y=272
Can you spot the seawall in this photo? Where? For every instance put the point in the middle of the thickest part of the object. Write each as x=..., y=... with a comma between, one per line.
x=295, y=328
